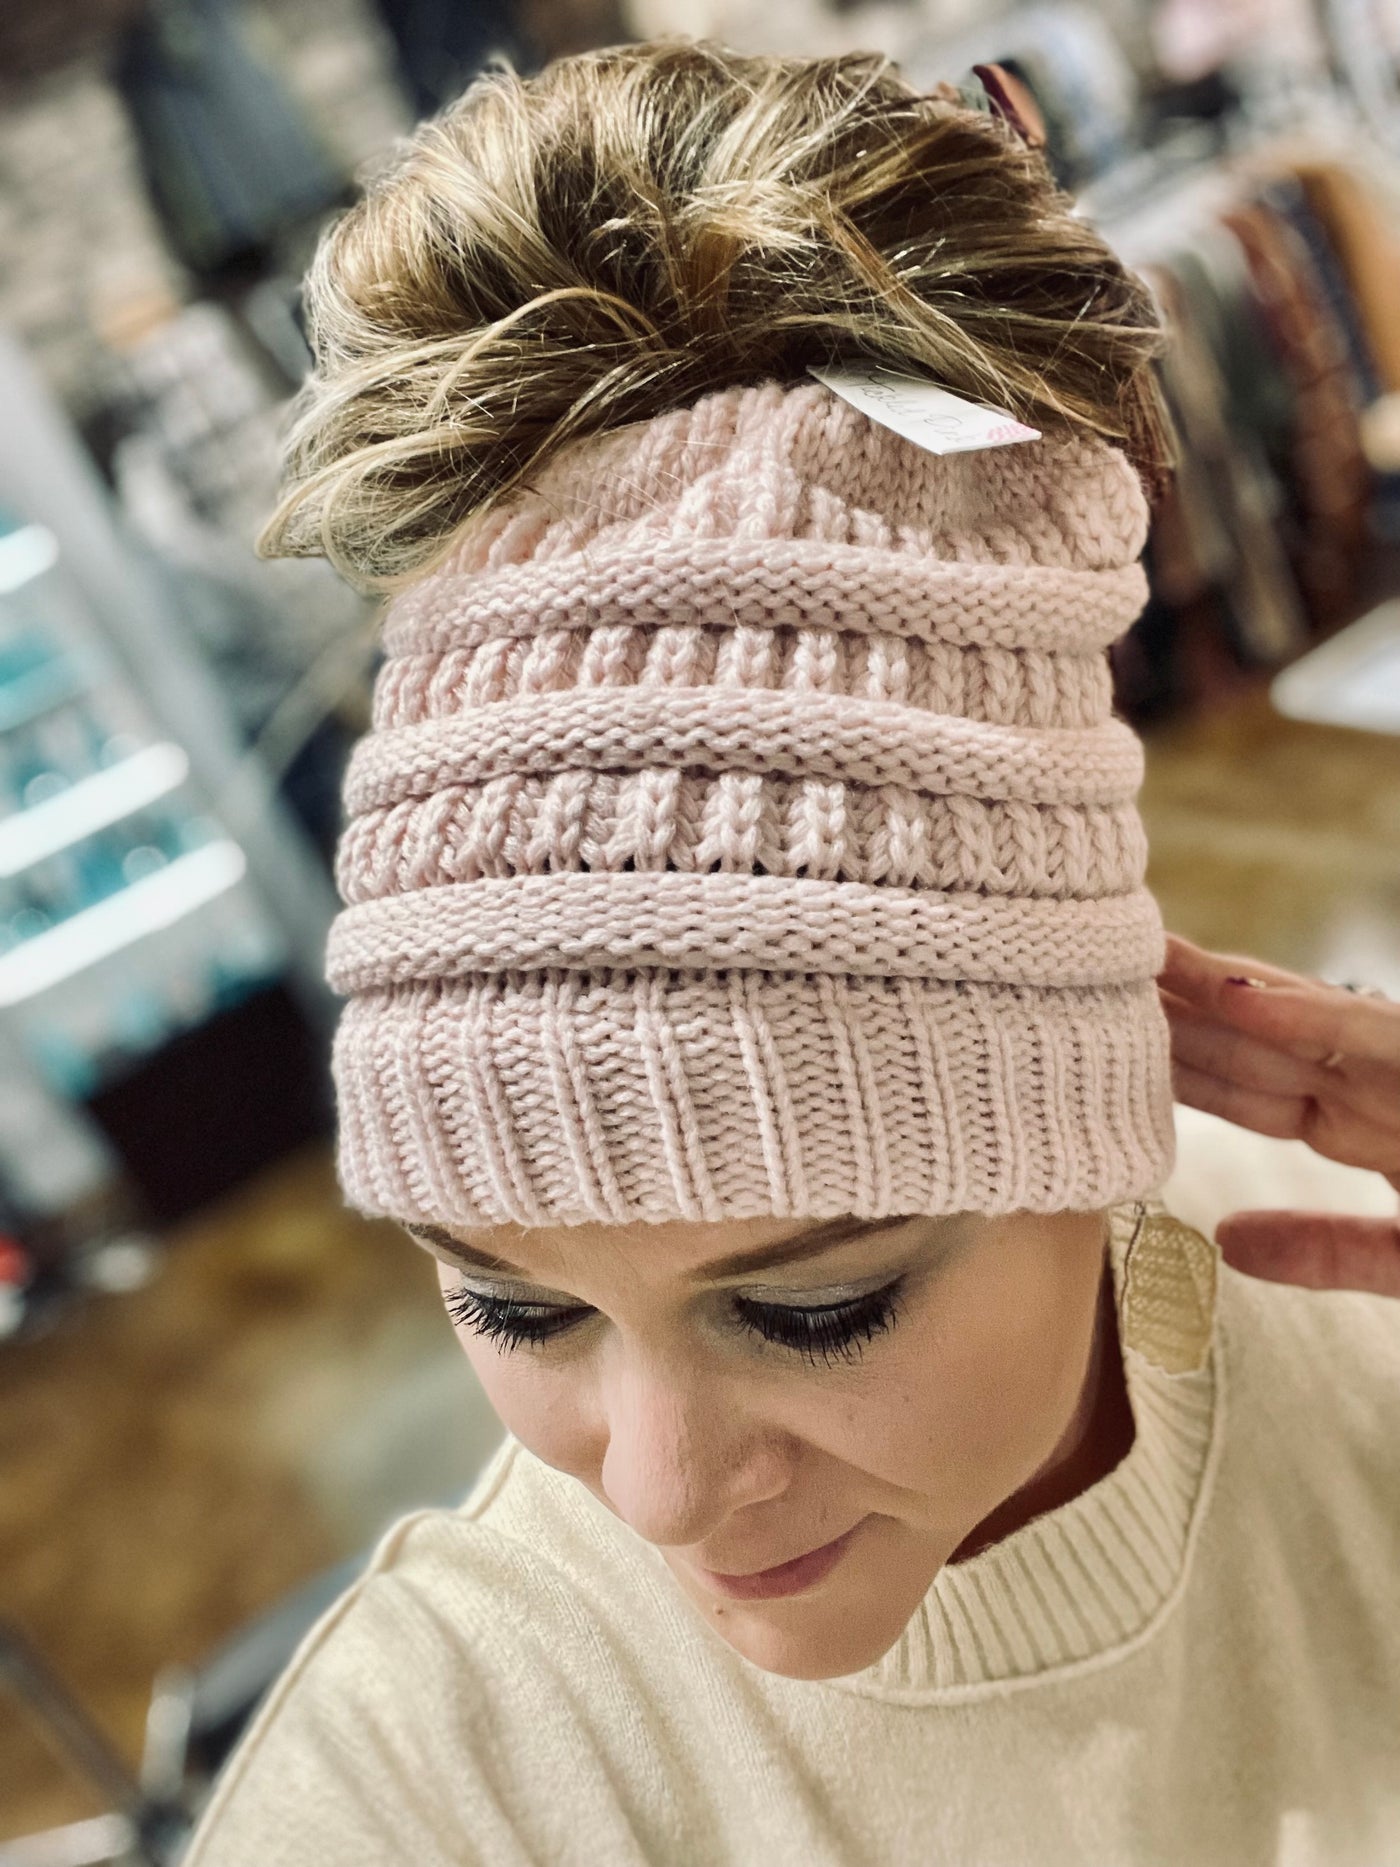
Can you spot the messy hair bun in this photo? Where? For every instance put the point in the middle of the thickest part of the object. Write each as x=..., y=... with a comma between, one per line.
x=634, y=227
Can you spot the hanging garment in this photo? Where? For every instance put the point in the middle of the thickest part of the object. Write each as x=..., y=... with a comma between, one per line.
x=1219, y=535
x=1368, y=248
x=229, y=159
x=1330, y=475
x=1375, y=262
x=442, y=44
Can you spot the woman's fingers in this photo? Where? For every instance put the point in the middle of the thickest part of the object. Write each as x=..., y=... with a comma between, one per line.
x=1295, y=1058
x=1277, y=1115
x=1302, y=1060
x=1203, y=1040
x=1319, y=1250
x=1192, y=969
x=1329, y=1127
x=1307, y=1017
x=1368, y=1091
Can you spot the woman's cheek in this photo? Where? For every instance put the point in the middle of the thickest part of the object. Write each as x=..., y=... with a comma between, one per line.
x=1011, y=1410
x=985, y=1387
x=1019, y=1375
x=953, y=1426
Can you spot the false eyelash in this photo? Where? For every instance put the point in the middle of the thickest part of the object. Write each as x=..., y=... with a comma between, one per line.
x=500, y=1320
x=837, y=1331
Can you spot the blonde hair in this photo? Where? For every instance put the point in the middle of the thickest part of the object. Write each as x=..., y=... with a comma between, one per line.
x=612, y=238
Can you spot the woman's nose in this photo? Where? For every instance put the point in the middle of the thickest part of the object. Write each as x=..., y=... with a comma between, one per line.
x=680, y=1457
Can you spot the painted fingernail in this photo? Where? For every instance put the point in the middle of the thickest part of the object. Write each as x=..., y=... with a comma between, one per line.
x=1241, y=979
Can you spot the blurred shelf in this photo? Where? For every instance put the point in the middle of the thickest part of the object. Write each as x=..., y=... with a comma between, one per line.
x=93, y=803
x=144, y=907
x=28, y=697
x=25, y=554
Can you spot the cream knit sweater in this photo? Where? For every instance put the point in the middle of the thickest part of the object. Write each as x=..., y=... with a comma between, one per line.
x=1196, y=1663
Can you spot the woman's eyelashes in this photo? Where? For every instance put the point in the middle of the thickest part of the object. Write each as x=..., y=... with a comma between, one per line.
x=829, y=1332
x=833, y=1331
x=501, y=1319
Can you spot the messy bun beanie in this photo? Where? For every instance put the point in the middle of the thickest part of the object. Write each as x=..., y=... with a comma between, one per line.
x=745, y=828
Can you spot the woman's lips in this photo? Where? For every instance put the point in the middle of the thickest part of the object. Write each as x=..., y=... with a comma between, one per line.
x=788, y=1578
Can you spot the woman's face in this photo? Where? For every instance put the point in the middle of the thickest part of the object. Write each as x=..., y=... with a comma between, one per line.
x=743, y=1394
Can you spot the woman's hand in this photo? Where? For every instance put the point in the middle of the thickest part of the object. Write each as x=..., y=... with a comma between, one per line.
x=1292, y=1057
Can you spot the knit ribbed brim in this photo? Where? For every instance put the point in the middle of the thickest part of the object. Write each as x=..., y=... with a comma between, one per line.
x=745, y=829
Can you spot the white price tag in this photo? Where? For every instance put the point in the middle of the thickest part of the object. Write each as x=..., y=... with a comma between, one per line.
x=934, y=418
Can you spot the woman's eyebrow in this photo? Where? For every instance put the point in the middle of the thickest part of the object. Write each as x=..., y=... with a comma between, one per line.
x=465, y=1255
x=736, y=1264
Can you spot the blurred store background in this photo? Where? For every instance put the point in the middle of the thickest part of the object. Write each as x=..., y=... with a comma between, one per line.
x=216, y=1386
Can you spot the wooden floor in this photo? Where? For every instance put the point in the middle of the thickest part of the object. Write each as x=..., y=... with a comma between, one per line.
x=176, y=1458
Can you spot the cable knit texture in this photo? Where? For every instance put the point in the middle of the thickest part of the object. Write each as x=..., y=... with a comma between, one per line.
x=745, y=828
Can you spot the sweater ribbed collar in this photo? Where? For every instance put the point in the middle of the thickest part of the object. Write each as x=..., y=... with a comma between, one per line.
x=1076, y=1586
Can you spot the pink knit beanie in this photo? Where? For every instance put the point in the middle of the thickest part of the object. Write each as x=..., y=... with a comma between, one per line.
x=745, y=828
